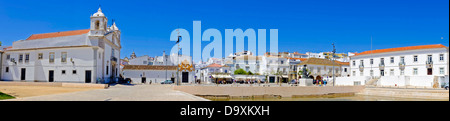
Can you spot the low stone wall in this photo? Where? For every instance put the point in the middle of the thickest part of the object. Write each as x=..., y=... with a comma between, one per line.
x=255, y=91
x=407, y=93
x=54, y=84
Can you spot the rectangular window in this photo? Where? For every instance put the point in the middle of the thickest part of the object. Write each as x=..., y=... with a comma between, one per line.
x=20, y=57
x=371, y=72
x=40, y=56
x=392, y=59
x=63, y=71
x=74, y=71
x=402, y=59
x=415, y=58
x=371, y=61
x=382, y=61
x=362, y=62
x=430, y=58
x=441, y=71
x=51, y=57
x=402, y=72
x=8, y=57
x=345, y=69
x=441, y=57
x=112, y=52
x=392, y=72
x=354, y=63
x=63, y=57
x=415, y=71
x=354, y=73
x=107, y=70
x=361, y=73
x=27, y=58
x=6, y=69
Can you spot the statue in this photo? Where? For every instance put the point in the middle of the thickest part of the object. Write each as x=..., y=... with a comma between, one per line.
x=305, y=72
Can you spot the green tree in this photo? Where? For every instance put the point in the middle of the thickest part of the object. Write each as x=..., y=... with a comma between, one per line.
x=249, y=73
x=280, y=77
x=240, y=72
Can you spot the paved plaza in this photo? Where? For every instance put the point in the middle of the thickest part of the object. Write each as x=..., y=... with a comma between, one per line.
x=120, y=93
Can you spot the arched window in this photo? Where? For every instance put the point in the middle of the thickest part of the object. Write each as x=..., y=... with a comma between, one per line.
x=97, y=24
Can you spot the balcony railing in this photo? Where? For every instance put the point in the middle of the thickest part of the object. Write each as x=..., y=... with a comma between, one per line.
x=429, y=64
x=401, y=65
x=381, y=65
x=361, y=67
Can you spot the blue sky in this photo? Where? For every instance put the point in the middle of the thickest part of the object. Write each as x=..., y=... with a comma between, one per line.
x=304, y=26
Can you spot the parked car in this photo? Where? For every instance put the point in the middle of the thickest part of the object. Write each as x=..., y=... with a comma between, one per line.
x=167, y=82
x=293, y=82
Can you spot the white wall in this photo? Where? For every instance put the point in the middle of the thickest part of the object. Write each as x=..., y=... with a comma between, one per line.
x=156, y=76
x=37, y=70
x=349, y=81
x=393, y=81
x=426, y=81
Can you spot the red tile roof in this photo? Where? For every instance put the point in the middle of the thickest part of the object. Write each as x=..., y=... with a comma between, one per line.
x=343, y=63
x=319, y=61
x=57, y=34
x=148, y=67
x=401, y=49
x=301, y=59
x=214, y=65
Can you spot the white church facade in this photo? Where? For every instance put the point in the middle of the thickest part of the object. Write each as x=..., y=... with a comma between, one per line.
x=80, y=56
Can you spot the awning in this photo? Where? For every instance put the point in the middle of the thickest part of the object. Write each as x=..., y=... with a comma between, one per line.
x=248, y=77
x=221, y=76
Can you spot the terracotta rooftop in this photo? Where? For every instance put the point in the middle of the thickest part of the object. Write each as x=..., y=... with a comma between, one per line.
x=214, y=65
x=296, y=53
x=148, y=67
x=319, y=61
x=401, y=49
x=301, y=59
x=57, y=34
x=343, y=63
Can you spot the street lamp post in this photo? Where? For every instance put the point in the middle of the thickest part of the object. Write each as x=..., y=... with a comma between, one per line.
x=178, y=61
x=332, y=58
x=165, y=62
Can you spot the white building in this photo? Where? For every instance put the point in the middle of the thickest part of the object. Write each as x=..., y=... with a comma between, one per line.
x=145, y=69
x=248, y=63
x=417, y=66
x=82, y=56
x=298, y=55
x=145, y=74
x=323, y=68
x=214, y=73
x=276, y=68
x=141, y=60
x=171, y=60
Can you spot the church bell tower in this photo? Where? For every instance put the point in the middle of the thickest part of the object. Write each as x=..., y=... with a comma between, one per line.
x=99, y=23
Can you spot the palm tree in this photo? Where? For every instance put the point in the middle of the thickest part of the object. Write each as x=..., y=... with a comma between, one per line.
x=279, y=74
